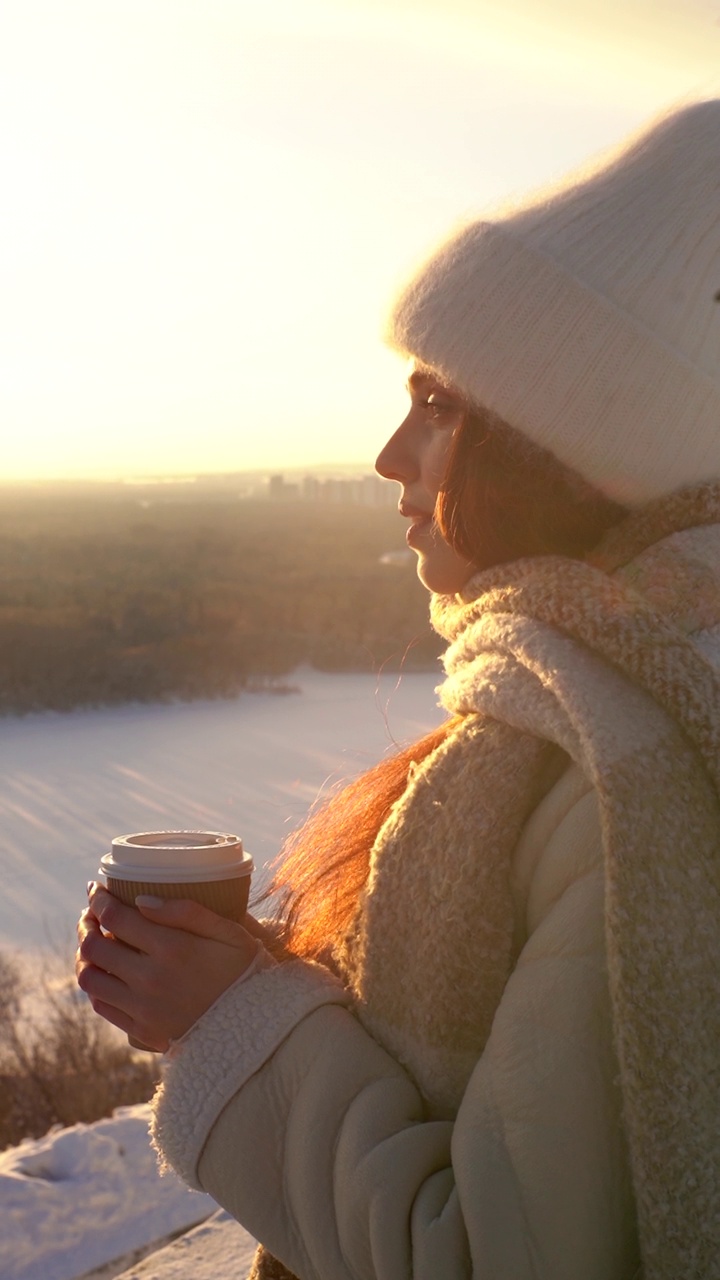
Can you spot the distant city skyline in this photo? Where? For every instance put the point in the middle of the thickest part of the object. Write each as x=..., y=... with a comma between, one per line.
x=327, y=482
x=365, y=490
x=207, y=208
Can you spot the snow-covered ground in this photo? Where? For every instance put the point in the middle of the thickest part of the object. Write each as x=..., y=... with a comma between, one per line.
x=86, y=1196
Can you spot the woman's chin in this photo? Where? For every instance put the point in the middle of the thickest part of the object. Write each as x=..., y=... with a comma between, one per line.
x=444, y=575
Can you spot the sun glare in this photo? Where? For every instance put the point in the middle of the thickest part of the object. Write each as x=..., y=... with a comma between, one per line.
x=207, y=207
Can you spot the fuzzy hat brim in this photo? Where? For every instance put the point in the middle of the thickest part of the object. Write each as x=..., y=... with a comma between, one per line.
x=589, y=321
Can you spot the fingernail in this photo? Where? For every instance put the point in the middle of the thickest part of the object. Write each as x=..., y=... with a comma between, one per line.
x=149, y=900
x=90, y=886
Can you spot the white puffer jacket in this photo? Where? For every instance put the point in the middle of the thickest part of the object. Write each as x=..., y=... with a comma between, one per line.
x=282, y=1106
x=286, y=1111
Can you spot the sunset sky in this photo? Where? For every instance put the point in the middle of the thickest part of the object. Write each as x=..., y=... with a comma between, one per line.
x=207, y=204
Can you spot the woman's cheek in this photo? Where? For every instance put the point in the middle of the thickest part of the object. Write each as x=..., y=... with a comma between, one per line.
x=437, y=459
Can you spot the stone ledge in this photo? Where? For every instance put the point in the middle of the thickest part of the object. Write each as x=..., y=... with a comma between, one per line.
x=219, y=1249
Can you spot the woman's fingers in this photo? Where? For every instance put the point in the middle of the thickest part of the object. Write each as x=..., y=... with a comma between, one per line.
x=108, y=954
x=126, y=1024
x=103, y=988
x=191, y=917
x=203, y=923
x=154, y=970
x=117, y=1017
x=138, y=927
x=99, y=963
x=124, y=923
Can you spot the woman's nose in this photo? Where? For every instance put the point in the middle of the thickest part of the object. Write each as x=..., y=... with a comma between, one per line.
x=395, y=460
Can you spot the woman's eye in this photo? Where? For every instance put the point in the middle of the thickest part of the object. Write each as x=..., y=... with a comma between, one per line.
x=439, y=405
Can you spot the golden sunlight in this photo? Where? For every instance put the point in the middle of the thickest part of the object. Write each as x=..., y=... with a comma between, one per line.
x=207, y=207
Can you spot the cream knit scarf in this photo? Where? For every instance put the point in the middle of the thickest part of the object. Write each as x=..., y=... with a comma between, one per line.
x=550, y=656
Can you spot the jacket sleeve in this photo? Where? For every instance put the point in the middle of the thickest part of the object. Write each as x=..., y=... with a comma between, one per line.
x=319, y=1143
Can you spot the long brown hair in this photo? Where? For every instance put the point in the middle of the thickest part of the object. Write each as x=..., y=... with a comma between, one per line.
x=325, y=862
x=503, y=498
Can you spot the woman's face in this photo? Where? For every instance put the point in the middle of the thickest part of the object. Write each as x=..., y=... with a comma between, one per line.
x=417, y=457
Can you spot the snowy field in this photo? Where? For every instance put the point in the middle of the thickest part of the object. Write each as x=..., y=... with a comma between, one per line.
x=89, y=1196
x=69, y=782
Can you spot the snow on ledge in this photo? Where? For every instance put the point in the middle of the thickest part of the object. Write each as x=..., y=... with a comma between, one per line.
x=220, y=1249
x=83, y=1196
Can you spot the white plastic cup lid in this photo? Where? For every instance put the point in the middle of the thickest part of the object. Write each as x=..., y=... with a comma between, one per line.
x=176, y=856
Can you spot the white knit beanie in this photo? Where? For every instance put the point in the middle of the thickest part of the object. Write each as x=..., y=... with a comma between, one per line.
x=590, y=320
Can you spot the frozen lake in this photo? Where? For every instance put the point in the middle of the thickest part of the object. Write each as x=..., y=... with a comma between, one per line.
x=69, y=782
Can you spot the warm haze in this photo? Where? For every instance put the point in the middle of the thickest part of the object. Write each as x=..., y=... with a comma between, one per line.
x=207, y=206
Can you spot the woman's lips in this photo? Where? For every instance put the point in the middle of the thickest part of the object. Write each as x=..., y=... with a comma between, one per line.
x=421, y=522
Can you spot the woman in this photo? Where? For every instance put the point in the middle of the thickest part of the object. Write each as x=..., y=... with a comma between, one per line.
x=506, y=1064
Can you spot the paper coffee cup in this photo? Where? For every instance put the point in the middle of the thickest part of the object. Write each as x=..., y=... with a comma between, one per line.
x=208, y=866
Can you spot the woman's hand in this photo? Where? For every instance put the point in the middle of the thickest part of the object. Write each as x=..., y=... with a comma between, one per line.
x=153, y=970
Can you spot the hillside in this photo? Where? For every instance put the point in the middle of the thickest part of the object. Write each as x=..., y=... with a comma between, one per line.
x=109, y=595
